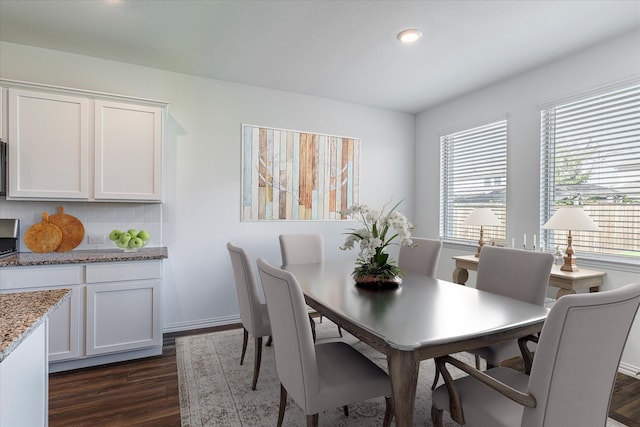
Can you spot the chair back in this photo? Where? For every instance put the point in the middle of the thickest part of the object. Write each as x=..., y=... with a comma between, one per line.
x=301, y=248
x=295, y=353
x=248, y=293
x=421, y=258
x=514, y=273
x=577, y=358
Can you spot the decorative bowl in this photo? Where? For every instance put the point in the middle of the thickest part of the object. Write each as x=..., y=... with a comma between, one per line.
x=130, y=249
x=130, y=240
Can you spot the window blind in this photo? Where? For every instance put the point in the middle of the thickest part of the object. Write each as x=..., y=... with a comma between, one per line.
x=590, y=155
x=473, y=174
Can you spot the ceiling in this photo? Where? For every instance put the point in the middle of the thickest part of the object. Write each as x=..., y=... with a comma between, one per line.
x=345, y=50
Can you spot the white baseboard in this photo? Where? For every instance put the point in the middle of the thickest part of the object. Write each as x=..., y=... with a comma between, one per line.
x=84, y=362
x=199, y=324
x=632, y=371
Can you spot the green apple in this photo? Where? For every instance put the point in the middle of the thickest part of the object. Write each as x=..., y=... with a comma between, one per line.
x=115, y=235
x=133, y=233
x=121, y=244
x=144, y=235
x=136, y=243
x=124, y=237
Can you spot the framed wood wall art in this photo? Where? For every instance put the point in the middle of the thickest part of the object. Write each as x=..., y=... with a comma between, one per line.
x=293, y=175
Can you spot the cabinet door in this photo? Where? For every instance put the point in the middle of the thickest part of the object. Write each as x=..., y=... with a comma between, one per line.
x=65, y=328
x=48, y=146
x=128, y=156
x=122, y=316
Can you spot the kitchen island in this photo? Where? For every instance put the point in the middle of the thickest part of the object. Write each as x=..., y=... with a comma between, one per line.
x=114, y=312
x=24, y=368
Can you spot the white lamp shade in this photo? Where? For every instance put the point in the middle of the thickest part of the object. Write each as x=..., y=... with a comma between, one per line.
x=482, y=216
x=571, y=218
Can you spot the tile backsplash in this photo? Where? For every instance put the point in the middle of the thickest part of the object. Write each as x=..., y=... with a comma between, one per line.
x=99, y=219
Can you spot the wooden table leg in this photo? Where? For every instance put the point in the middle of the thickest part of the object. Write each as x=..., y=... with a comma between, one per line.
x=563, y=292
x=460, y=276
x=403, y=371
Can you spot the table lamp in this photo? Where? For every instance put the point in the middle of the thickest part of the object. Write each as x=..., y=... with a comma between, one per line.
x=570, y=218
x=482, y=217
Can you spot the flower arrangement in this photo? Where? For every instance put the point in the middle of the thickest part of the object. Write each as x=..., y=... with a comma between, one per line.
x=379, y=231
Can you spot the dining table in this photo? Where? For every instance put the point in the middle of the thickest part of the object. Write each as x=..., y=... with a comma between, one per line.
x=421, y=318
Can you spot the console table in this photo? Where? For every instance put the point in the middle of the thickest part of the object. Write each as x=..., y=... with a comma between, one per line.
x=567, y=281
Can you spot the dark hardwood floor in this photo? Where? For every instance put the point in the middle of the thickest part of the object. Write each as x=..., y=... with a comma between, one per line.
x=144, y=392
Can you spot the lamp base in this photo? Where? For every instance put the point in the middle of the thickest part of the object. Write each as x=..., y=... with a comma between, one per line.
x=569, y=264
x=480, y=242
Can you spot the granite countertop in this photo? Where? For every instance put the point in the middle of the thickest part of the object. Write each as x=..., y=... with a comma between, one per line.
x=23, y=259
x=23, y=312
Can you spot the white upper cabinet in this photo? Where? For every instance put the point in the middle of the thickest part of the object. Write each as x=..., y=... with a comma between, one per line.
x=48, y=145
x=128, y=156
x=65, y=144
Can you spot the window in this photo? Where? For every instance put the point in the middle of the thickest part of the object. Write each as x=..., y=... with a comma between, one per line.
x=591, y=156
x=473, y=174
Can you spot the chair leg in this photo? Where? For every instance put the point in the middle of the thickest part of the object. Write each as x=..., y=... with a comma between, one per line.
x=312, y=420
x=313, y=328
x=388, y=413
x=269, y=341
x=339, y=328
x=245, y=338
x=256, y=363
x=283, y=404
x=436, y=416
x=436, y=377
x=345, y=409
x=477, y=362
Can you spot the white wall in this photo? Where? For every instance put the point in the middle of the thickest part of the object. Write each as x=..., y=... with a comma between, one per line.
x=202, y=160
x=201, y=209
x=519, y=99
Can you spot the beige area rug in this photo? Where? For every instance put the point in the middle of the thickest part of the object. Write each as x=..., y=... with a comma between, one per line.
x=216, y=391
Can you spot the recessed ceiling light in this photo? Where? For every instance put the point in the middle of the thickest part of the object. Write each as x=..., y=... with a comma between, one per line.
x=409, y=36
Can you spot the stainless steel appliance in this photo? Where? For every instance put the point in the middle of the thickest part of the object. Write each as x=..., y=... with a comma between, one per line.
x=9, y=236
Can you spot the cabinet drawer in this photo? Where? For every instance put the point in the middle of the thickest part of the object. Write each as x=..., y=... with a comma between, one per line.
x=32, y=277
x=116, y=272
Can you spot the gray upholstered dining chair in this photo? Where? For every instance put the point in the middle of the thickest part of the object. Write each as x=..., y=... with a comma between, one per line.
x=514, y=273
x=316, y=376
x=303, y=249
x=422, y=257
x=573, y=372
x=253, y=314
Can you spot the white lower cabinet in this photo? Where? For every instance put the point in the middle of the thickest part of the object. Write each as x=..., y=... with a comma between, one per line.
x=66, y=323
x=114, y=312
x=122, y=314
